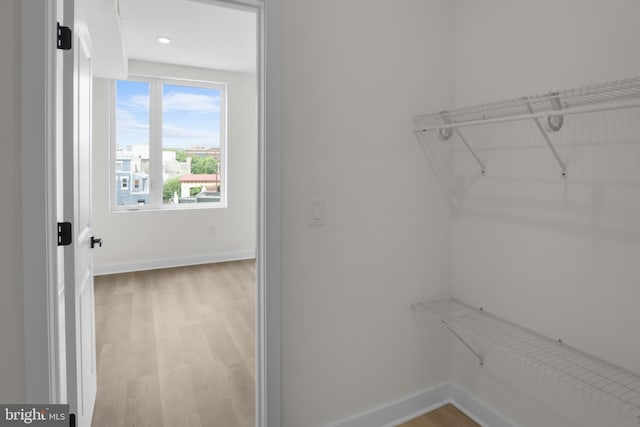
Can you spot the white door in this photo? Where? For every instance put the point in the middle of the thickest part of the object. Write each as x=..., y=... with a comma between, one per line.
x=79, y=294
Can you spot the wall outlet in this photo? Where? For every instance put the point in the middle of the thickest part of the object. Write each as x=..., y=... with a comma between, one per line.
x=316, y=213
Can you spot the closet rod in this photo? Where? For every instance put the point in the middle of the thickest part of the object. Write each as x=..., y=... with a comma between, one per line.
x=566, y=112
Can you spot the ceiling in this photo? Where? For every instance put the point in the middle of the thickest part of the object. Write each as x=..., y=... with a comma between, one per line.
x=203, y=35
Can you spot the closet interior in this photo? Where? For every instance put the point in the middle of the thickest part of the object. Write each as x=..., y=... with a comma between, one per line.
x=446, y=136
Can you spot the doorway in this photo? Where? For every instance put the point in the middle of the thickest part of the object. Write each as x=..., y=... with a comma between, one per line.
x=42, y=346
x=173, y=241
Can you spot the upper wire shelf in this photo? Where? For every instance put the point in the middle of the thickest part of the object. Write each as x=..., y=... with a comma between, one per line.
x=546, y=110
x=570, y=98
x=615, y=386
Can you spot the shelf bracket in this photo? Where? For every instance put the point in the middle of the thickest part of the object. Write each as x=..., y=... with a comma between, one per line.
x=466, y=344
x=473, y=153
x=544, y=134
x=446, y=133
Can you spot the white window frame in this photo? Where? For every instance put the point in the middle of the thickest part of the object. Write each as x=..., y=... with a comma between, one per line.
x=124, y=183
x=155, y=145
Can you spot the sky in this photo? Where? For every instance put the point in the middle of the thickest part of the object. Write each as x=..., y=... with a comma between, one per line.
x=191, y=115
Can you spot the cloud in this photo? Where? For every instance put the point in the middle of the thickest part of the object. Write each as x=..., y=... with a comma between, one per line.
x=126, y=122
x=191, y=102
x=134, y=103
x=175, y=101
x=138, y=102
x=192, y=122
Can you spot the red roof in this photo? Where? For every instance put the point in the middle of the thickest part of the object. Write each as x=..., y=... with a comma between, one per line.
x=205, y=177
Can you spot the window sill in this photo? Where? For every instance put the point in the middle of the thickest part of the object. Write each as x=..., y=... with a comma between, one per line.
x=169, y=208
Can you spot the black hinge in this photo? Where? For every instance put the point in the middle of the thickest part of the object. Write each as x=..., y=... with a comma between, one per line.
x=64, y=37
x=64, y=233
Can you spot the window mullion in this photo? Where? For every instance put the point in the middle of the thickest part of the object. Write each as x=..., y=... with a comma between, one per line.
x=155, y=144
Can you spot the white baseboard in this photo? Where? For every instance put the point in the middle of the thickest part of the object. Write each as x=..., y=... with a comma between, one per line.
x=393, y=412
x=153, y=264
x=409, y=407
x=477, y=410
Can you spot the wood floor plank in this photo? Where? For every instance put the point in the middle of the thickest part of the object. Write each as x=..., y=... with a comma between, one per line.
x=110, y=402
x=242, y=335
x=114, y=320
x=242, y=393
x=176, y=347
x=143, y=343
x=143, y=405
x=177, y=398
x=445, y=416
x=221, y=343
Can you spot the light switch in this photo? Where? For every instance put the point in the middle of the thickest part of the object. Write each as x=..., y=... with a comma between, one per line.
x=317, y=213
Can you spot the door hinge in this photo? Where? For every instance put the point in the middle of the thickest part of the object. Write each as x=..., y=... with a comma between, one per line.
x=64, y=37
x=64, y=233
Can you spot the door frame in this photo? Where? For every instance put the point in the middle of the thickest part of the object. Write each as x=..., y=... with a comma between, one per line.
x=39, y=217
x=39, y=221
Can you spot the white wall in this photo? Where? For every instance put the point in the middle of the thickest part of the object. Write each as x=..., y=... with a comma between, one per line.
x=354, y=74
x=12, y=387
x=558, y=256
x=152, y=239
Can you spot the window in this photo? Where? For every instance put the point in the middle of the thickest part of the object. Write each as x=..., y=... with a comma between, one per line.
x=170, y=143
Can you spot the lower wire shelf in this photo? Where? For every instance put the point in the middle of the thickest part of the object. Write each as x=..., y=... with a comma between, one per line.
x=617, y=387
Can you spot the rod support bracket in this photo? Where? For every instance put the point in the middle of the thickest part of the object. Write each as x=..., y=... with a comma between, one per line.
x=445, y=133
x=554, y=121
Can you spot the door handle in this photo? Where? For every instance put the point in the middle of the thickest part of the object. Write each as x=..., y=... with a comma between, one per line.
x=95, y=242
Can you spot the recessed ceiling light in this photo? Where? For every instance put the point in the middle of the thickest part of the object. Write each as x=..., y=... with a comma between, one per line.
x=164, y=40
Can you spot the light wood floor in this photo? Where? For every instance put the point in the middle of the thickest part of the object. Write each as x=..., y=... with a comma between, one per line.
x=446, y=416
x=175, y=347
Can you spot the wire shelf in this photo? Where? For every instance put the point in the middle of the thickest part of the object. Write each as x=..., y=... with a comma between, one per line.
x=547, y=111
x=553, y=101
x=615, y=386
